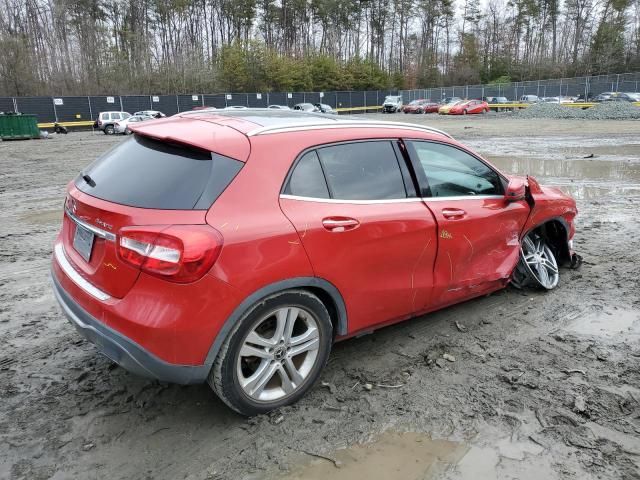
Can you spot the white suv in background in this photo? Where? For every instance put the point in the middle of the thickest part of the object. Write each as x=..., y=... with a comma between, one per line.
x=392, y=104
x=107, y=120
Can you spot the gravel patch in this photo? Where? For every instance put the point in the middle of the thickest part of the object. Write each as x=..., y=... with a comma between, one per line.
x=602, y=111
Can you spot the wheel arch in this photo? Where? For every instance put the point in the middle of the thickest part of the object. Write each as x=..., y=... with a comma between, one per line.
x=324, y=290
x=555, y=230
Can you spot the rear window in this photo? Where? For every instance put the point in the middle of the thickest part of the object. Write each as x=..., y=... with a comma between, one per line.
x=146, y=173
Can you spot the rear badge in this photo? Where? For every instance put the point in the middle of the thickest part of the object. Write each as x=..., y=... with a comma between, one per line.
x=104, y=224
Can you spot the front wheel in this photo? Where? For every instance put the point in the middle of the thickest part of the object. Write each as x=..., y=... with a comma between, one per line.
x=275, y=353
x=537, y=265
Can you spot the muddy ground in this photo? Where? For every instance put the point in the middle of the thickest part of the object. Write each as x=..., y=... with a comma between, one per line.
x=543, y=385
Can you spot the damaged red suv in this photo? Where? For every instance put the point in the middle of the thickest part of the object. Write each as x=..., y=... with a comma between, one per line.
x=235, y=247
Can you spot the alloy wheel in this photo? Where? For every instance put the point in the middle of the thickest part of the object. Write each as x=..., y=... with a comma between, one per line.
x=278, y=354
x=539, y=261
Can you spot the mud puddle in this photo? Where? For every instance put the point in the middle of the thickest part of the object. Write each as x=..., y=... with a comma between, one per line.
x=608, y=324
x=409, y=456
x=414, y=456
x=562, y=148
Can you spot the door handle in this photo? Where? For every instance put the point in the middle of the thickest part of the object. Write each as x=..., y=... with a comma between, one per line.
x=339, y=224
x=453, y=213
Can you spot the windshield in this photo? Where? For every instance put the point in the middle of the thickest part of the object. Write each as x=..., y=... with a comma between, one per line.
x=391, y=99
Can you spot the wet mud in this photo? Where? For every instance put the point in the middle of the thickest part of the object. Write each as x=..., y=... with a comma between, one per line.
x=542, y=385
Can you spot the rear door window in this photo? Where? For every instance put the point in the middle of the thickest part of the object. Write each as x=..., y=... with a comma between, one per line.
x=146, y=173
x=104, y=116
x=362, y=171
x=115, y=116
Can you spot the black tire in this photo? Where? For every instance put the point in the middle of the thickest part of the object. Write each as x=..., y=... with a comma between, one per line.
x=109, y=130
x=464, y=112
x=223, y=377
x=419, y=112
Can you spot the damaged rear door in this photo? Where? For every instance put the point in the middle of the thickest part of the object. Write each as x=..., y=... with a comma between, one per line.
x=478, y=230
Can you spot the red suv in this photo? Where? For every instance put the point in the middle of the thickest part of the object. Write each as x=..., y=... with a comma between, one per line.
x=235, y=247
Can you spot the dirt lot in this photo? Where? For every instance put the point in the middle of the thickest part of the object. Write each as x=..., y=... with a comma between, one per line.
x=542, y=385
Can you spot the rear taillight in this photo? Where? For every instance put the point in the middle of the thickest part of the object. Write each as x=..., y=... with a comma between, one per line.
x=178, y=253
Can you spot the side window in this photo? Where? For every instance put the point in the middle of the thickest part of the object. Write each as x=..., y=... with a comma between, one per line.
x=307, y=179
x=115, y=116
x=104, y=116
x=362, y=171
x=452, y=172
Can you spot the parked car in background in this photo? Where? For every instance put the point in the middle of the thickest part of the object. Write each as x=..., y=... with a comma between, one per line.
x=235, y=107
x=495, y=100
x=444, y=109
x=530, y=99
x=122, y=126
x=623, y=97
x=602, y=96
x=194, y=252
x=324, y=108
x=107, y=120
x=151, y=113
x=431, y=107
x=392, y=104
x=582, y=98
x=450, y=100
x=278, y=107
x=306, y=107
x=469, y=107
x=418, y=106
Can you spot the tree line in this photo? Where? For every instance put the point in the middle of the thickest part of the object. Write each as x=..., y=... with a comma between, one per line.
x=82, y=47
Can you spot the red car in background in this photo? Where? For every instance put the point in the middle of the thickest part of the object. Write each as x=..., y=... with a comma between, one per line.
x=192, y=253
x=415, y=106
x=469, y=107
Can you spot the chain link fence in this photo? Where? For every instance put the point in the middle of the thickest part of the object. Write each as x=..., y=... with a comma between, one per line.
x=572, y=87
x=86, y=108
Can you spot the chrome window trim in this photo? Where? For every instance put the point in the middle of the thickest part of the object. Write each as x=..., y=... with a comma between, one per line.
x=355, y=202
x=393, y=200
x=463, y=197
x=75, y=277
x=342, y=124
x=98, y=232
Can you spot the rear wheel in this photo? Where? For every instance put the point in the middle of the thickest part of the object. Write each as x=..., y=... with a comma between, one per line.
x=109, y=130
x=275, y=354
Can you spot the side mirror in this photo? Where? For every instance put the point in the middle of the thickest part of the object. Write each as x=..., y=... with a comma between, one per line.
x=516, y=190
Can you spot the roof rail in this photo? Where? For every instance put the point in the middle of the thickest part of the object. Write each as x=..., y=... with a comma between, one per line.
x=283, y=128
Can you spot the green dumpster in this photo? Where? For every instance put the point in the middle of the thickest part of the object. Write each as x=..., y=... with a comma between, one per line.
x=17, y=126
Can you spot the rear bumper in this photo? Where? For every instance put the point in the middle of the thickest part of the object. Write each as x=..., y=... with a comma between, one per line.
x=122, y=350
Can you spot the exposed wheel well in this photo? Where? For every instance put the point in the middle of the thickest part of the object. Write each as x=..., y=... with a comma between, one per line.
x=555, y=233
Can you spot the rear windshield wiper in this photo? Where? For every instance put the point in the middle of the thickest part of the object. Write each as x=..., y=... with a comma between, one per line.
x=87, y=178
